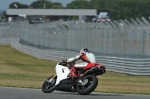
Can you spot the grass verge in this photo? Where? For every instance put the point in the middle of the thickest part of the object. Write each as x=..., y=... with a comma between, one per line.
x=21, y=70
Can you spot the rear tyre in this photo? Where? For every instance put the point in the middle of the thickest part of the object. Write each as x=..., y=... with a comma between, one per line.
x=89, y=87
x=49, y=86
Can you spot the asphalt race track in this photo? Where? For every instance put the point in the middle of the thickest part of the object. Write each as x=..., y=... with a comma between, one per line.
x=25, y=93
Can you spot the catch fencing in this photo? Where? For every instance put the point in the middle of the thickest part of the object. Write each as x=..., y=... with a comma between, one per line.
x=123, y=46
x=119, y=39
x=7, y=33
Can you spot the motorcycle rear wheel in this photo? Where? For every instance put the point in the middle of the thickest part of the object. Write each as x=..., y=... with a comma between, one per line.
x=89, y=87
x=47, y=86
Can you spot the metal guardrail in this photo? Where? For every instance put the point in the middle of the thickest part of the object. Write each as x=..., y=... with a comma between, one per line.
x=116, y=64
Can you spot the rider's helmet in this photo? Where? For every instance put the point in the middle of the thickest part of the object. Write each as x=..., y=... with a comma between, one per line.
x=84, y=50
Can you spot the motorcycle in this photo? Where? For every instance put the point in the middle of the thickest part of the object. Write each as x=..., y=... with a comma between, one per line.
x=85, y=82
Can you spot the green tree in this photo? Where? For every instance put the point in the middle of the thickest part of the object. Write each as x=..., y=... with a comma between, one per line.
x=3, y=15
x=39, y=4
x=78, y=4
x=20, y=6
x=56, y=5
x=97, y=4
x=126, y=9
x=119, y=9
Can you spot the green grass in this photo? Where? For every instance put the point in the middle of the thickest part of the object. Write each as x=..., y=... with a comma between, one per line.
x=21, y=70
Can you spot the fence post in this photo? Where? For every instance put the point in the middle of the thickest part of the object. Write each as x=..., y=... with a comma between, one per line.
x=142, y=38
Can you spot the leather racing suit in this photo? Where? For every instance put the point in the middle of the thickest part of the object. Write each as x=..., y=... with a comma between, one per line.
x=85, y=57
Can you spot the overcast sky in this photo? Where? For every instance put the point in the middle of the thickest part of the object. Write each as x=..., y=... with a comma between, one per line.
x=4, y=4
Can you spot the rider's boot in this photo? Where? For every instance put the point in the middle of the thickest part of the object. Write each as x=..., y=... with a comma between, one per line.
x=73, y=89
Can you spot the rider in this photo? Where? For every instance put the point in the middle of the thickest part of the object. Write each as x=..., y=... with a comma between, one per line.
x=85, y=56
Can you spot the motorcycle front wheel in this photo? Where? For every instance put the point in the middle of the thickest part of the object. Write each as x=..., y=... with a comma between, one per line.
x=49, y=84
x=89, y=87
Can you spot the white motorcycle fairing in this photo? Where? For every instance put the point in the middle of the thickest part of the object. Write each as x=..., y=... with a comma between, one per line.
x=62, y=73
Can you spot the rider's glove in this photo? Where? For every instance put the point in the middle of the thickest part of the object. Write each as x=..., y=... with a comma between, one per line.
x=64, y=62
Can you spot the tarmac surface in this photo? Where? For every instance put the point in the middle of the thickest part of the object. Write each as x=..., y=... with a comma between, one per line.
x=27, y=93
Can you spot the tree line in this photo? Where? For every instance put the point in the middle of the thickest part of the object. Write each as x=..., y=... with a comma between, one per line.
x=38, y=4
x=118, y=9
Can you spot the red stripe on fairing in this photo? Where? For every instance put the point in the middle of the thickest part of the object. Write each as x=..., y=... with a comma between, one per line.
x=89, y=65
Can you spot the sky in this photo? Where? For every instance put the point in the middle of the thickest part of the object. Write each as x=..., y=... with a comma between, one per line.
x=4, y=4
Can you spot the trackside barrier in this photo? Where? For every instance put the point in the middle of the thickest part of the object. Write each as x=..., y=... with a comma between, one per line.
x=116, y=64
x=122, y=46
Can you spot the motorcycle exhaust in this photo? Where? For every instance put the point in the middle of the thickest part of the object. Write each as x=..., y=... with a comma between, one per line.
x=98, y=70
x=95, y=70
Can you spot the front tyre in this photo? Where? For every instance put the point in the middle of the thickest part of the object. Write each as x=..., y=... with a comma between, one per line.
x=89, y=87
x=49, y=85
